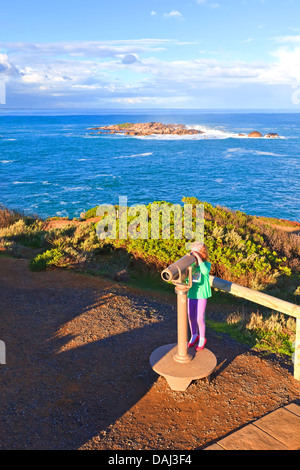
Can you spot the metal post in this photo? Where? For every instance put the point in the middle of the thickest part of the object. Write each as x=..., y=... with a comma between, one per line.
x=182, y=325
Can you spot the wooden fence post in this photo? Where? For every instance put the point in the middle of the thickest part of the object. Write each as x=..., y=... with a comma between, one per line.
x=297, y=351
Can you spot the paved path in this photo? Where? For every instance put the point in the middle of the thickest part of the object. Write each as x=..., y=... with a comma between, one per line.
x=279, y=430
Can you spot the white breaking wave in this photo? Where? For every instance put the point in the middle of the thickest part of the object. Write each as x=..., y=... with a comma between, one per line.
x=76, y=188
x=208, y=134
x=147, y=154
x=87, y=136
x=211, y=133
x=62, y=213
x=259, y=152
x=23, y=182
x=242, y=151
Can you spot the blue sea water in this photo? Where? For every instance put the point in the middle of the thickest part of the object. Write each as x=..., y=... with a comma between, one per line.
x=56, y=165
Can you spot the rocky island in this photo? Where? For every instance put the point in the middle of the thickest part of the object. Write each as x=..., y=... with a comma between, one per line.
x=148, y=128
x=157, y=128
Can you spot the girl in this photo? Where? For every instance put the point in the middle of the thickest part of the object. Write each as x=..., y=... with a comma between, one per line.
x=198, y=295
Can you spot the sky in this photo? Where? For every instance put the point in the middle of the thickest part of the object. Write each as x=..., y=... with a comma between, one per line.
x=143, y=54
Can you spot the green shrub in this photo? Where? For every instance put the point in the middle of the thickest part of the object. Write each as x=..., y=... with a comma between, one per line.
x=91, y=213
x=46, y=259
x=241, y=250
x=125, y=125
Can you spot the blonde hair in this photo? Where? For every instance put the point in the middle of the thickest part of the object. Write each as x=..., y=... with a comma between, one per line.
x=201, y=249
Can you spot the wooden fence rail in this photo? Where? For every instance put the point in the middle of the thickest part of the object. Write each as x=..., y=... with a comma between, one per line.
x=267, y=301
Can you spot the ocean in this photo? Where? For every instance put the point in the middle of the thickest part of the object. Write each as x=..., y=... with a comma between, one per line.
x=53, y=164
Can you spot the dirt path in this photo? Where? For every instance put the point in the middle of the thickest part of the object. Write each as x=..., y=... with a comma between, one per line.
x=61, y=223
x=78, y=374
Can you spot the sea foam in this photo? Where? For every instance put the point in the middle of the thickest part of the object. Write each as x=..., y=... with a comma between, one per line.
x=147, y=154
x=241, y=151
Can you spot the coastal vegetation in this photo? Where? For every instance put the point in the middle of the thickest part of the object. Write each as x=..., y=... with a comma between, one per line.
x=256, y=252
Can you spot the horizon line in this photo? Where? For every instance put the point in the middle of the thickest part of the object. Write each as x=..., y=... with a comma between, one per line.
x=93, y=110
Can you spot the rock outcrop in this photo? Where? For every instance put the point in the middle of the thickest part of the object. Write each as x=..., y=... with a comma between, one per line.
x=255, y=134
x=148, y=128
x=271, y=135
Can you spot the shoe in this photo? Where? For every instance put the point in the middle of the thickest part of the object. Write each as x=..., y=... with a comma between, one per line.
x=199, y=348
x=190, y=345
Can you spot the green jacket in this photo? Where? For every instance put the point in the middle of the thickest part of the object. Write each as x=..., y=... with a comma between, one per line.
x=201, y=286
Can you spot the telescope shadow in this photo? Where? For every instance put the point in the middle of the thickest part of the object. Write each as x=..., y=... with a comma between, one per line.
x=104, y=380
x=76, y=361
x=78, y=352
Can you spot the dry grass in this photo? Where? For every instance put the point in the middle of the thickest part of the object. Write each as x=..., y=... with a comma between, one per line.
x=274, y=332
x=8, y=217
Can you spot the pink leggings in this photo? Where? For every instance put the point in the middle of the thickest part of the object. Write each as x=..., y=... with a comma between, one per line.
x=196, y=314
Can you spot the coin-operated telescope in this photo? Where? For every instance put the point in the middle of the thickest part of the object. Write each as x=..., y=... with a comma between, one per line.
x=173, y=360
x=179, y=271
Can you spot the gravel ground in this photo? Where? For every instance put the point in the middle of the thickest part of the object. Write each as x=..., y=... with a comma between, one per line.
x=78, y=373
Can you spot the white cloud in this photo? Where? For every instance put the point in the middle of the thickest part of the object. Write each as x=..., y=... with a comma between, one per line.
x=123, y=72
x=286, y=69
x=173, y=14
x=6, y=67
x=99, y=49
x=206, y=2
x=287, y=39
x=134, y=100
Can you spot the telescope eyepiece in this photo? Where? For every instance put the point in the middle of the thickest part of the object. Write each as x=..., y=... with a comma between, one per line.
x=166, y=276
x=178, y=271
